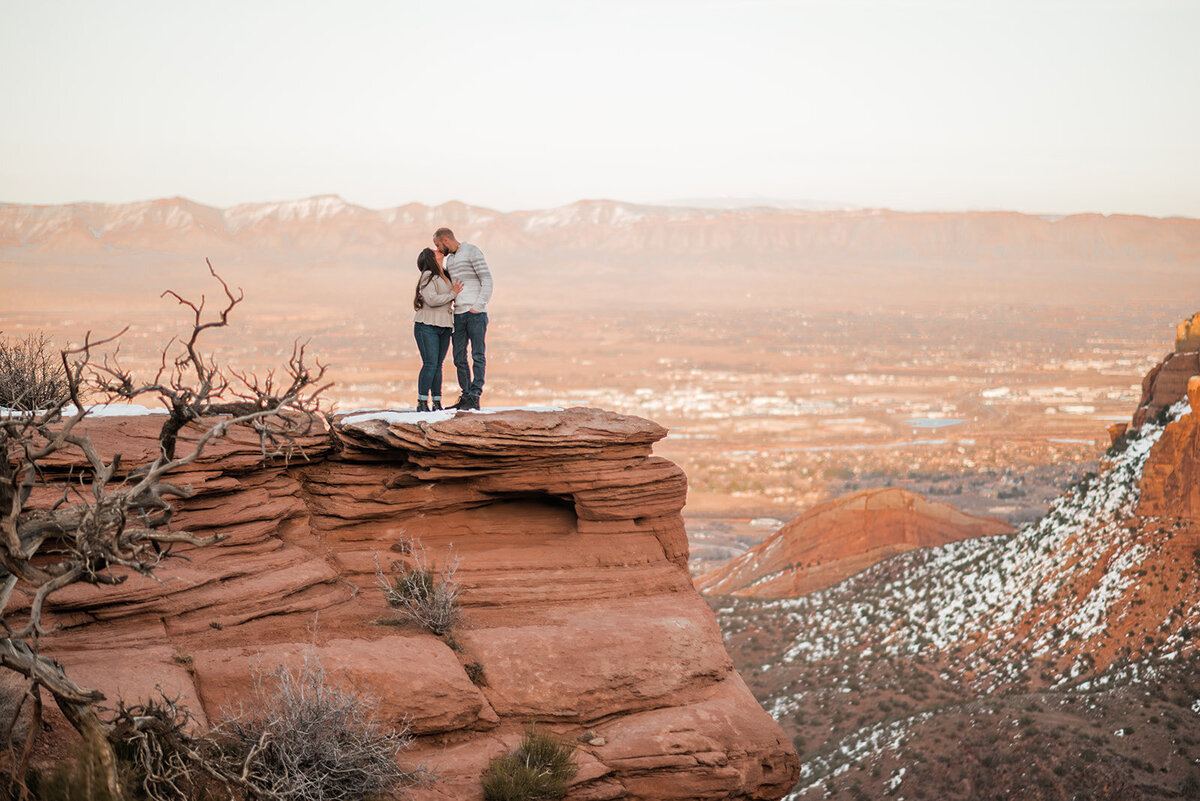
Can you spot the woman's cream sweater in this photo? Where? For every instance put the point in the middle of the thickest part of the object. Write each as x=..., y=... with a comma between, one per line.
x=439, y=302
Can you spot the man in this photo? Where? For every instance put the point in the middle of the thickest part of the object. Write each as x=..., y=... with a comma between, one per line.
x=465, y=263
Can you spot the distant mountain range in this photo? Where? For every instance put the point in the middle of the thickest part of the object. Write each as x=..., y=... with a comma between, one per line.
x=604, y=251
x=727, y=202
x=328, y=223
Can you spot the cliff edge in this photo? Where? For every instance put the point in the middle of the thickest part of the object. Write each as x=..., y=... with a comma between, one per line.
x=578, y=603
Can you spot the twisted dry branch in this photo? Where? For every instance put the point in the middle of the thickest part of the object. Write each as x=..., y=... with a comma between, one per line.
x=117, y=521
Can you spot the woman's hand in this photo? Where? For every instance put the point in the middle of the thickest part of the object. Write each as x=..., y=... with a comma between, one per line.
x=457, y=287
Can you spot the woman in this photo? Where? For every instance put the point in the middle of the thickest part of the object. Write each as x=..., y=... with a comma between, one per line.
x=432, y=325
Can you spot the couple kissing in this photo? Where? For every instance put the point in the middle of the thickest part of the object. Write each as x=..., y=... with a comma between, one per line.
x=451, y=306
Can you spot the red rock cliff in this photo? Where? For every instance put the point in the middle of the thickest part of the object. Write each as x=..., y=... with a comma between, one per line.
x=1166, y=383
x=1171, y=477
x=577, y=598
x=1170, y=485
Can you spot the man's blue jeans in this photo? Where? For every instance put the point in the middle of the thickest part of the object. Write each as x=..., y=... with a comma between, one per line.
x=470, y=328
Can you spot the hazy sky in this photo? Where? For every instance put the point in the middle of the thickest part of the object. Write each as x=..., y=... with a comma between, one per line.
x=1048, y=106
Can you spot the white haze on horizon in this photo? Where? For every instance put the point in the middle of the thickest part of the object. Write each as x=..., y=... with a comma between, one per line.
x=1053, y=107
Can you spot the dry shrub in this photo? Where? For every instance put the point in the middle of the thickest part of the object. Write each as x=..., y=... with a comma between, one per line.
x=539, y=770
x=303, y=739
x=31, y=374
x=164, y=762
x=475, y=673
x=306, y=739
x=420, y=593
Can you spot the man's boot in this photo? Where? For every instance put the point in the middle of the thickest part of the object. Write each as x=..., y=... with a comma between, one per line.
x=422, y=406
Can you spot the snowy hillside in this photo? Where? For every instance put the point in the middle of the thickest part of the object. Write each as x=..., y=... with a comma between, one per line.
x=1089, y=599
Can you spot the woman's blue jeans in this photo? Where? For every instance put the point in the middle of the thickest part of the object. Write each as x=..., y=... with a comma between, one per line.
x=432, y=341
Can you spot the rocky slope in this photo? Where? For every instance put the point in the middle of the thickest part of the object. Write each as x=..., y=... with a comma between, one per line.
x=1058, y=660
x=834, y=540
x=579, y=608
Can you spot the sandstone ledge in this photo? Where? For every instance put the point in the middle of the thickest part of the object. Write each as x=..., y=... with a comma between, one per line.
x=578, y=601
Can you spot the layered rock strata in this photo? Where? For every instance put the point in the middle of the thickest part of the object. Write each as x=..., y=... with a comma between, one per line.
x=1171, y=478
x=579, y=609
x=1170, y=484
x=844, y=536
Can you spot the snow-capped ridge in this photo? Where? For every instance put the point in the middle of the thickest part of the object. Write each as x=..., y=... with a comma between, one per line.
x=318, y=208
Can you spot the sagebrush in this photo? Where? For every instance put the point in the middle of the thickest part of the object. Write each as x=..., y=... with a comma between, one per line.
x=540, y=769
x=305, y=738
x=31, y=373
x=426, y=595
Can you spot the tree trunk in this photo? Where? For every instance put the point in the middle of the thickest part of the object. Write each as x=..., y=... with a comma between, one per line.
x=83, y=717
x=75, y=703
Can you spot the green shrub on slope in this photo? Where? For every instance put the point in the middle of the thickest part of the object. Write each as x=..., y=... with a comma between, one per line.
x=540, y=769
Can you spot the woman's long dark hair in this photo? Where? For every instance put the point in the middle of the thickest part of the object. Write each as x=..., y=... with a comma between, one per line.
x=427, y=264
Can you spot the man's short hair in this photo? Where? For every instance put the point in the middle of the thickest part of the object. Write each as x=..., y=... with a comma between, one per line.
x=443, y=233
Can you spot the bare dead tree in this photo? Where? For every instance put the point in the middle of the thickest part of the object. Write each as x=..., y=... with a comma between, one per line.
x=193, y=385
x=114, y=520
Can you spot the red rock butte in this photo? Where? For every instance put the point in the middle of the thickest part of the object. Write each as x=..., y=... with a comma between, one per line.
x=1171, y=478
x=577, y=599
x=1167, y=382
x=834, y=540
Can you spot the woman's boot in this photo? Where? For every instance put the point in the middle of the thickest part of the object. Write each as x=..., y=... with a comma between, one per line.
x=422, y=406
